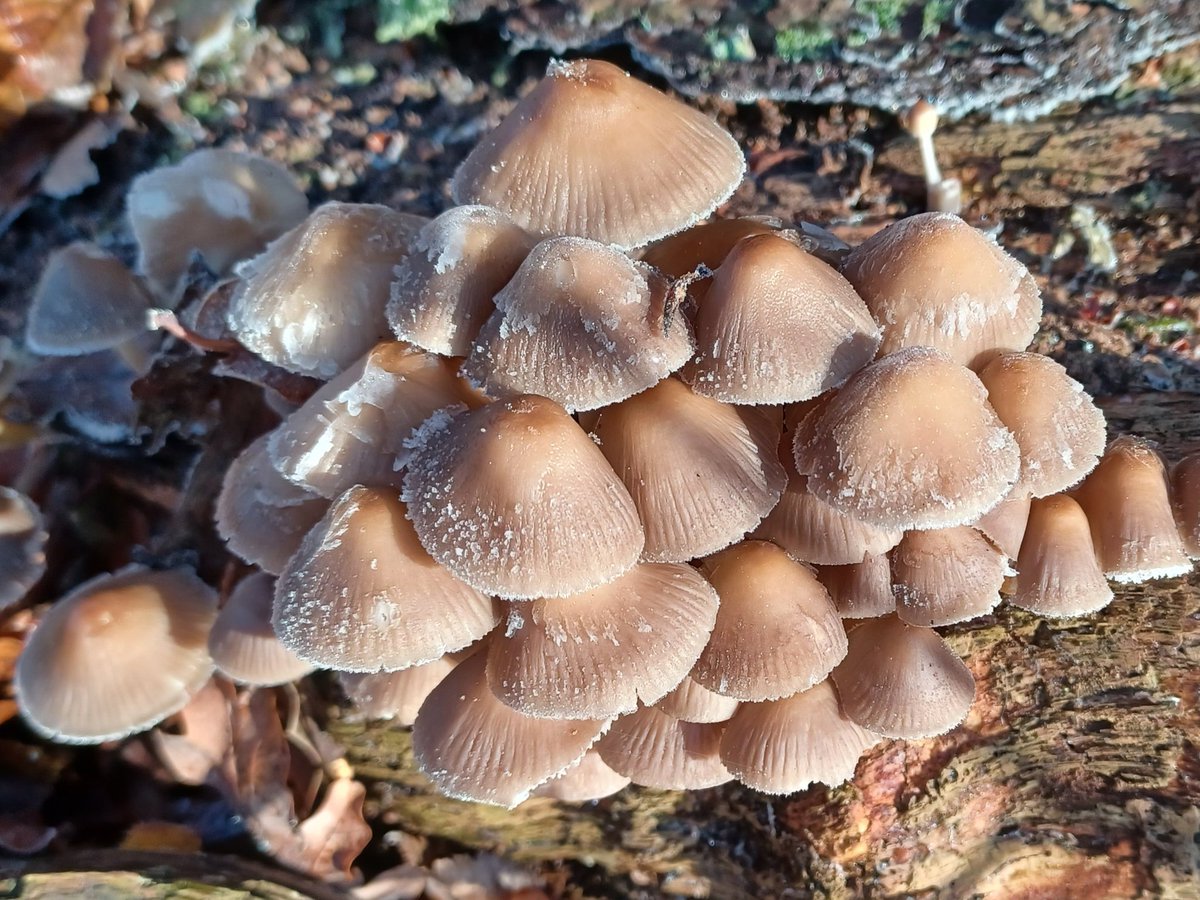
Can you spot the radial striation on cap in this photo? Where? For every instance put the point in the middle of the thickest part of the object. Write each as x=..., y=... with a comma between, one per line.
x=946, y=575
x=657, y=751
x=516, y=500
x=693, y=702
x=594, y=153
x=1057, y=571
x=1185, y=484
x=117, y=655
x=395, y=695
x=1004, y=524
x=243, y=644
x=860, y=590
x=23, y=539
x=589, y=779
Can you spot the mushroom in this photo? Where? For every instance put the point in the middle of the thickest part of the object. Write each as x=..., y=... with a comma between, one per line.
x=1057, y=571
x=693, y=702
x=946, y=575
x=1185, y=481
x=395, y=695
x=589, y=779
x=657, y=751
x=1004, y=525
x=22, y=545
x=860, y=590
x=704, y=245
x=941, y=194
x=242, y=643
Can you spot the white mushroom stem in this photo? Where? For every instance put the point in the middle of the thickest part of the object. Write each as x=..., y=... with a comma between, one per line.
x=941, y=194
x=166, y=320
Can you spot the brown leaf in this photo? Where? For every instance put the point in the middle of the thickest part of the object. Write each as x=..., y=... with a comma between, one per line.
x=327, y=842
x=43, y=45
x=161, y=837
x=206, y=736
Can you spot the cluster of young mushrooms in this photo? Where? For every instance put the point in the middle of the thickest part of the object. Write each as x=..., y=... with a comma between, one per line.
x=597, y=488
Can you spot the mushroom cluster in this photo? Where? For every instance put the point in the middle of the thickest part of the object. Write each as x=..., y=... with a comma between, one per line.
x=600, y=489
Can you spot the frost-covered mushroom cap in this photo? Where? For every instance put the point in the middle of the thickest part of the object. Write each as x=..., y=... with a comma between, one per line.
x=932, y=280
x=22, y=545
x=657, y=751
x=860, y=590
x=946, y=575
x=1057, y=571
x=693, y=702
x=242, y=642
x=86, y=301
x=1004, y=524
x=116, y=655
x=516, y=500
x=595, y=153
x=909, y=442
x=582, y=324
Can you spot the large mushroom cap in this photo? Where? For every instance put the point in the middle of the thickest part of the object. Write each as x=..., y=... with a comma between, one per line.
x=516, y=500
x=116, y=655
x=242, y=642
x=932, y=280
x=22, y=545
x=706, y=244
x=595, y=153
x=657, y=751
x=909, y=442
x=946, y=575
x=1057, y=570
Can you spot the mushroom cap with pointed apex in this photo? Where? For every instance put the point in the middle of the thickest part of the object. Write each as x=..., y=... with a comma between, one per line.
x=946, y=575
x=242, y=642
x=932, y=280
x=1057, y=571
x=701, y=473
x=361, y=595
x=261, y=515
x=395, y=695
x=315, y=300
x=221, y=204
x=1128, y=506
x=117, y=655
x=86, y=301
x=516, y=500
x=1057, y=426
x=354, y=429
x=473, y=747
x=582, y=324
x=594, y=655
x=706, y=244
x=777, y=631
x=1185, y=483
x=22, y=545
x=657, y=751
x=693, y=702
x=442, y=292
x=920, y=120
x=778, y=326
x=910, y=442
x=902, y=681
x=595, y=153
x=860, y=590
x=589, y=779
x=783, y=746
x=1004, y=524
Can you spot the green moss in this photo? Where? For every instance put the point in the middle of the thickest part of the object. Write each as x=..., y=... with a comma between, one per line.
x=800, y=43
x=933, y=15
x=886, y=13
x=728, y=45
x=401, y=20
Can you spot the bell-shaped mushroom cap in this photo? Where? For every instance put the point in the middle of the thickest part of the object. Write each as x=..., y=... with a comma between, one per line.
x=657, y=751
x=22, y=545
x=242, y=642
x=932, y=280
x=946, y=575
x=588, y=779
x=777, y=631
x=594, y=153
x=693, y=702
x=395, y=695
x=516, y=500
x=910, y=442
x=1004, y=524
x=902, y=681
x=783, y=746
x=701, y=473
x=1057, y=571
x=86, y=301
x=1129, y=510
x=261, y=515
x=116, y=655
x=442, y=292
x=360, y=595
x=706, y=244
x=860, y=590
x=473, y=747
x=778, y=325
x=1057, y=426
x=594, y=655
x=354, y=429
x=1185, y=481
x=582, y=324
x=221, y=204
x=315, y=300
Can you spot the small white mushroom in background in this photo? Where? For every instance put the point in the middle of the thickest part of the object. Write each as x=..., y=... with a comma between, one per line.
x=941, y=194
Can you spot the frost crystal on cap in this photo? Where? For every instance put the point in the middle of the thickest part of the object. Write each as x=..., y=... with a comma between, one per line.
x=242, y=642
x=946, y=575
x=1057, y=571
x=582, y=324
x=594, y=153
x=22, y=545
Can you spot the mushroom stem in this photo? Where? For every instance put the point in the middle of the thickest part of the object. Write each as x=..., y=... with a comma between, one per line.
x=941, y=194
x=165, y=320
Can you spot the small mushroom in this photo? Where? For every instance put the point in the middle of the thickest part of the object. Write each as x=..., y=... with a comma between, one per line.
x=706, y=244
x=1004, y=525
x=946, y=575
x=941, y=194
x=22, y=546
x=242, y=642
x=1057, y=571
x=657, y=751
x=589, y=779
x=395, y=695
x=860, y=590
x=1185, y=483
x=693, y=702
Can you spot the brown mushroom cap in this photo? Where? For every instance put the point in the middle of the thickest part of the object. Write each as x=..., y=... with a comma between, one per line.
x=582, y=324
x=693, y=702
x=588, y=779
x=946, y=575
x=473, y=747
x=595, y=153
x=932, y=280
x=361, y=595
x=442, y=291
x=1057, y=570
x=1057, y=426
x=116, y=655
x=594, y=655
x=778, y=325
x=657, y=751
x=701, y=473
x=1004, y=524
x=902, y=681
x=860, y=590
x=314, y=301
x=242, y=643
x=706, y=244
x=1185, y=482
x=1129, y=509
x=221, y=204
x=909, y=442
x=22, y=545
x=783, y=746
x=395, y=695
x=516, y=500
x=777, y=631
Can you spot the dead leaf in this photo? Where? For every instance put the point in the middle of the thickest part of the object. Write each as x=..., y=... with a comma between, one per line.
x=206, y=734
x=161, y=837
x=331, y=838
x=401, y=883
x=43, y=45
